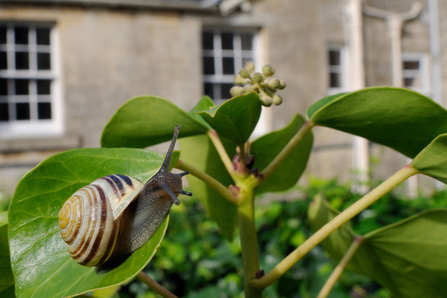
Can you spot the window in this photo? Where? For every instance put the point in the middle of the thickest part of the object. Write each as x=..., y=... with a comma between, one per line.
x=28, y=80
x=224, y=54
x=415, y=73
x=337, y=70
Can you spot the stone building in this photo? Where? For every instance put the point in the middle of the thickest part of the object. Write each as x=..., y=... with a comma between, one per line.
x=66, y=66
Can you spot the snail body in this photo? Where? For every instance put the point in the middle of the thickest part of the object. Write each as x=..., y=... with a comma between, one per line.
x=109, y=219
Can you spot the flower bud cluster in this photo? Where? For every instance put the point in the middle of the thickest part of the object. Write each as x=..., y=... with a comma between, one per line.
x=263, y=83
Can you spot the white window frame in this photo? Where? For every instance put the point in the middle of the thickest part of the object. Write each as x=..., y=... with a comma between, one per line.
x=423, y=73
x=341, y=69
x=34, y=128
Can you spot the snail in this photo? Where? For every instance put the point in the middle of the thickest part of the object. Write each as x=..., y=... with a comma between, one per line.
x=106, y=221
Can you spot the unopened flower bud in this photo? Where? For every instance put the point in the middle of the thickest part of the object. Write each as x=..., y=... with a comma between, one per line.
x=244, y=73
x=274, y=83
x=257, y=77
x=266, y=100
x=248, y=89
x=282, y=85
x=268, y=71
x=250, y=66
x=277, y=100
x=236, y=90
x=238, y=80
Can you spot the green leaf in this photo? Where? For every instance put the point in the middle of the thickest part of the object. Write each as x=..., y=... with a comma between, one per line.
x=432, y=161
x=204, y=104
x=3, y=217
x=236, y=118
x=267, y=147
x=200, y=152
x=6, y=278
x=407, y=257
x=322, y=102
x=398, y=118
x=148, y=120
x=40, y=261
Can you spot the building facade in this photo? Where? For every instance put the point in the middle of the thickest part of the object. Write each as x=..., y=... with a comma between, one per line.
x=66, y=66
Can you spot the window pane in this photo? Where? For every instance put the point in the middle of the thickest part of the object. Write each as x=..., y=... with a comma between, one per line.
x=22, y=111
x=43, y=61
x=43, y=36
x=245, y=60
x=44, y=110
x=4, y=114
x=3, y=87
x=3, y=60
x=2, y=34
x=228, y=65
x=411, y=64
x=21, y=35
x=335, y=80
x=208, y=65
x=209, y=90
x=247, y=41
x=225, y=90
x=408, y=82
x=227, y=41
x=43, y=87
x=334, y=57
x=22, y=87
x=207, y=40
x=22, y=60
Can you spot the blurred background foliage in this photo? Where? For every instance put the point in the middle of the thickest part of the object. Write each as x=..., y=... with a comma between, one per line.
x=195, y=261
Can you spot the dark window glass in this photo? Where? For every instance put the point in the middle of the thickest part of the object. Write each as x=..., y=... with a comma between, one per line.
x=43, y=36
x=22, y=111
x=334, y=57
x=209, y=90
x=228, y=65
x=335, y=80
x=225, y=90
x=43, y=61
x=411, y=64
x=44, y=110
x=4, y=114
x=22, y=87
x=22, y=60
x=3, y=60
x=408, y=82
x=21, y=35
x=227, y=41
x=3, y=34
x=43, y=87
x=3, y=87
x=247, y=41
x=208, y=65
x=207, y=40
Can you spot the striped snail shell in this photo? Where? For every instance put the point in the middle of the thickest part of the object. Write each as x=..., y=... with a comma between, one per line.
x=109, y=219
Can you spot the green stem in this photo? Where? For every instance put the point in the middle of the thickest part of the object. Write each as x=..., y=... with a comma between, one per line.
x=212, y=134
x=249, y=242
x=334, y=224
x=340, y=267
x=219, y=187
x=268, y=171
x=155, y=286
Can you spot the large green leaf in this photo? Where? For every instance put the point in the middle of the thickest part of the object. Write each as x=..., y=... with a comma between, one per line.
x=432, y=161
x=398, y=118
x=200, y=152
x=41, y=264
x=148, y=120
x=236, y=118
x=407, y=257
x=6, y=278
x=267, y=147
x=205, y=103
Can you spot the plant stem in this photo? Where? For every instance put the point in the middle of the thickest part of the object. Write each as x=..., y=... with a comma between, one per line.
x=249, y=242
x=296, y=139
x=334, y=224
x=340, y=267
x=219, y=187
x=155, y=286
x=212, y=134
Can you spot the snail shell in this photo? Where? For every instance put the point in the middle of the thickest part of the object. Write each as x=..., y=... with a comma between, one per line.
x=109, y=219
